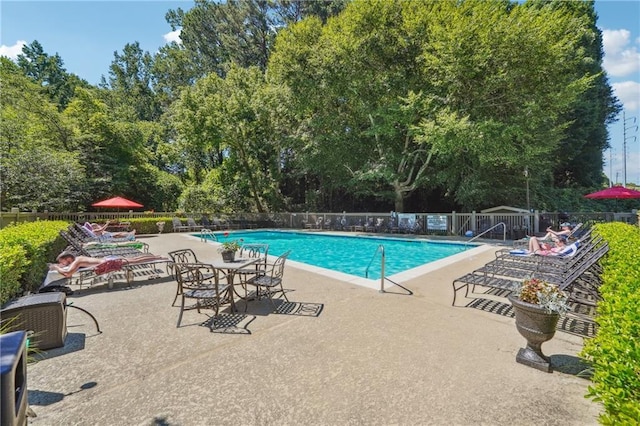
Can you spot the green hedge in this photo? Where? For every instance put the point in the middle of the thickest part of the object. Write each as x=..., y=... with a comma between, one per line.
x=25, y=250
x=148, y=225
x=615, y=350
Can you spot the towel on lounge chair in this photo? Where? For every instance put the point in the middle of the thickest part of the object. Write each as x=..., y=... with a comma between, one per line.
x=569, y=250
x=520, y=252
x=109, y=266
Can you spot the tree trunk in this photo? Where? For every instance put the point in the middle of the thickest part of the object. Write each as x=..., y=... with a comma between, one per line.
x=399, y=201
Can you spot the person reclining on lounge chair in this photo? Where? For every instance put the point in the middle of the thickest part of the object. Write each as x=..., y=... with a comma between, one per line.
x=100, y=231
x=68, y=263
x=551, y=235
x=546, y=249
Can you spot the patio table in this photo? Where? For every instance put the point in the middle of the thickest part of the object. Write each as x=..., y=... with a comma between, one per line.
x=231, y=268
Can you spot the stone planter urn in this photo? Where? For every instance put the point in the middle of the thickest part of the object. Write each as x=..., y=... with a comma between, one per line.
x=228, y=256
x=536, y=325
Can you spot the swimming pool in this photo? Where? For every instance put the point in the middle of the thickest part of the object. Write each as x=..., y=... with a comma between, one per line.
x=349, y=254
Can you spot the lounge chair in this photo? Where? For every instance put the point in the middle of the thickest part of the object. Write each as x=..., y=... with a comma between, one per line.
x=207, y=224
x=178, y=226
x=84, y=233
x=128, y=265
x=585, y=271
x=575, y=233
x=370, y=226
x=102, y=249
x=193, y=226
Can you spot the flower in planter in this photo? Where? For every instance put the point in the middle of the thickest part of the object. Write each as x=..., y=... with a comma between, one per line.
x=542, y=293
x=232, y=245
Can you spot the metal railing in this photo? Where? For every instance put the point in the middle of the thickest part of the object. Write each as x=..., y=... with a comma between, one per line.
x=380, y=250
x=504, y=231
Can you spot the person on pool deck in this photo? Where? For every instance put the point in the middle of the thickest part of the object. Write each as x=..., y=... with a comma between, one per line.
x=101, y=231
x=551, y=235
x=546, y=249
x=68, y=263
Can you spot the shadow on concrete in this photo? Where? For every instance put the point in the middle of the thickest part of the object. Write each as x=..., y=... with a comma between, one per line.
x=43, y=398
x=572, y=365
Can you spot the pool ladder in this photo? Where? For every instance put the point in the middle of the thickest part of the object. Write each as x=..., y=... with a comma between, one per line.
x=380, y=250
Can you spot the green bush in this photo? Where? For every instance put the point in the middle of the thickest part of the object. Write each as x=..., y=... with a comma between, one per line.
x=615, y=350
x=13, y=262
x=26, y=250
x=149, y=225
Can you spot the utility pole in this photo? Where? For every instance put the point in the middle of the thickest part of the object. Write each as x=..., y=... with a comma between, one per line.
x=610, y=168
x=624, y=142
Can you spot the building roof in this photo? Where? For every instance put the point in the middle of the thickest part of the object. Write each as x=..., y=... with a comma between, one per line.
x=504, y=209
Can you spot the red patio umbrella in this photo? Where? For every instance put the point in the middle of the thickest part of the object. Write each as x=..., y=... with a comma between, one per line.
x=615, y=192
x=118, y=202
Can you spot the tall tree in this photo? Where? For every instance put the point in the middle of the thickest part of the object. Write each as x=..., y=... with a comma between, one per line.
x=580, y=151
x=241, y=31
x=227, y=124
x=130, y=81
x=49, y=72
x=38, y=169
x=473, y=91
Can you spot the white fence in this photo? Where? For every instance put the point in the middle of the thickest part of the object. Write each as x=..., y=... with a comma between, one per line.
x=517, y=225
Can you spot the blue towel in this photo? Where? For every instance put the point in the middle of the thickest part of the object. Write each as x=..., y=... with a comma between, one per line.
x=519, y=252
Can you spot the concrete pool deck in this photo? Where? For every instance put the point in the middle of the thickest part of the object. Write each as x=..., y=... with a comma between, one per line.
x=352, y=355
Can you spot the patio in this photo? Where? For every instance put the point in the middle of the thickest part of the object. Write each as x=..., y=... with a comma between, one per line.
x=366, y=358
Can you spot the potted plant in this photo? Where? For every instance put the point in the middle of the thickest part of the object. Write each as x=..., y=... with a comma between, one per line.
x=538, y=305
x=228, y=250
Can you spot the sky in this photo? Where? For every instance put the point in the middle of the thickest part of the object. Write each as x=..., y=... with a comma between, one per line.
x=86, y=33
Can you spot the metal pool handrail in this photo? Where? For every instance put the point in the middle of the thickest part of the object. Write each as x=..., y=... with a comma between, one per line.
x=366, y=273
x=504, y=232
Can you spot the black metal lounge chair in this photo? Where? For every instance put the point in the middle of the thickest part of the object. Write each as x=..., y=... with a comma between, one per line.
x=586, y=271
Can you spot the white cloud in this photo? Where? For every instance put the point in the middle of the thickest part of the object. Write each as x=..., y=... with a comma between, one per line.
x=629, y=94
x=12, y=52
x=173, y=36
x=621, y=57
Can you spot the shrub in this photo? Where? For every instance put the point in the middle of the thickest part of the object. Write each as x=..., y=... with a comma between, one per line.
x=148, y=225
x=13, y=262
x=615, y=350
x=28, y=247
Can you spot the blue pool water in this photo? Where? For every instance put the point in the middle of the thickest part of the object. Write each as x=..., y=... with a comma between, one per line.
x=349, y=254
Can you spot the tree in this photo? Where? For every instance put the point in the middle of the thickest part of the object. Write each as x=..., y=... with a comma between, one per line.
x=37, y=171
x=227, y=123
x=465, y=93
x=130, y=84
x=241, y=31
x=48, y=71
x=580, y=152
x=43, y=179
